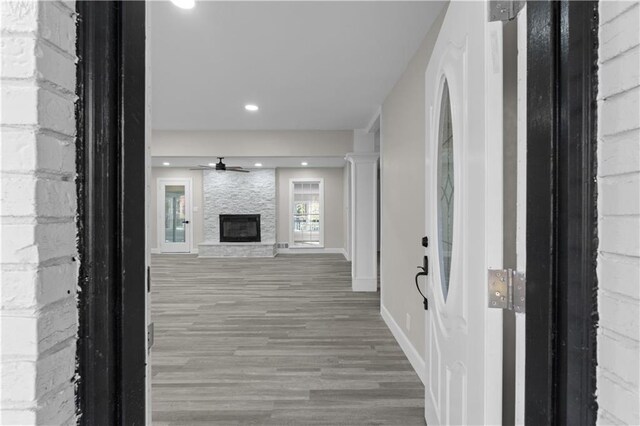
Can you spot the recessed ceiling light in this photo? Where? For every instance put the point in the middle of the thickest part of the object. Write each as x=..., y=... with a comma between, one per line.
x=212, y=164
x=184, y=4
x=251, y=107
x=258, y=164
x=304, y=163
x=166, y=164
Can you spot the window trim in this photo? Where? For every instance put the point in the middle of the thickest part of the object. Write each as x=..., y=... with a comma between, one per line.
x=292, y=182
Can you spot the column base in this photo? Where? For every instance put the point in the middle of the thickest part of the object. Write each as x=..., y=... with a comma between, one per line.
x=364, y=284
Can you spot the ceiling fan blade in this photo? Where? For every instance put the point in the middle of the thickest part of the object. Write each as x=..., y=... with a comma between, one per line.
x=226, y=169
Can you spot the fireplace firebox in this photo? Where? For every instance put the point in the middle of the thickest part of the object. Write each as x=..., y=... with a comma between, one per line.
x=239, y=228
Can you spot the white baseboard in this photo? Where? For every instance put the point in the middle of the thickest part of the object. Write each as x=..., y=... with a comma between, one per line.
x=157, y=251
x=417, y=362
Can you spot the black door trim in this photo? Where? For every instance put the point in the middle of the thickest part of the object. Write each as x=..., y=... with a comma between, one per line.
x=561, y=317
x=561, y=219
x=110, y=115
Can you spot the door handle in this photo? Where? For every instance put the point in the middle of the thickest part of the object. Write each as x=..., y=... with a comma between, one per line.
x=424, y=272
x=185, y=221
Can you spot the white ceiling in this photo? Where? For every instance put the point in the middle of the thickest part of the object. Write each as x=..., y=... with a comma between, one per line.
x=313, y=65
x=249, y=162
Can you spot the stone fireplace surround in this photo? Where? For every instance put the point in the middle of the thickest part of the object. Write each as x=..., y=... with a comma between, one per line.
x=239, y=193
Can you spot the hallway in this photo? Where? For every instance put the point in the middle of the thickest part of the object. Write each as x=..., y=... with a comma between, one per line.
x=274, y=341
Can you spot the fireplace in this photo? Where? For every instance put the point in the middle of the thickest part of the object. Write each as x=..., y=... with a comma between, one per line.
x=239, y=228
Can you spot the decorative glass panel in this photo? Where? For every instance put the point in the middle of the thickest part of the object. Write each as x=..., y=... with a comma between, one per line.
x=445, y=190
x=174, y=213
x=306, y=213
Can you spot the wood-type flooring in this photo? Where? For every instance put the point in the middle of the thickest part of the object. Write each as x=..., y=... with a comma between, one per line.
x=280, y=341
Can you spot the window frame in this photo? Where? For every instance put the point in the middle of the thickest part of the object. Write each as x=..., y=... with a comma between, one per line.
x=292, y=183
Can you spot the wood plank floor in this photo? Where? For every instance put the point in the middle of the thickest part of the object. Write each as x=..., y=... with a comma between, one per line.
x=278, y=341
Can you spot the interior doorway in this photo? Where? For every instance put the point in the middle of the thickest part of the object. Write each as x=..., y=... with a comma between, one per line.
x=174, y=212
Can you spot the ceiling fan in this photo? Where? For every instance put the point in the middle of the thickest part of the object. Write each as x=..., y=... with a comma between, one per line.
x=221, y=167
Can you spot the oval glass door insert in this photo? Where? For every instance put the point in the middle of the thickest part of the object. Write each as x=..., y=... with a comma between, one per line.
x=445, y=190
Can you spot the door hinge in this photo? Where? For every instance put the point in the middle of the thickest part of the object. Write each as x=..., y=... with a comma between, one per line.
x=507, y=290
x=149, y=336
x=504, y=10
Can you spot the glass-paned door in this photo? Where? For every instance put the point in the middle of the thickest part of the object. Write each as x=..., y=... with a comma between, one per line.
x=306, y=214
x=174, y=212
x=463, y=218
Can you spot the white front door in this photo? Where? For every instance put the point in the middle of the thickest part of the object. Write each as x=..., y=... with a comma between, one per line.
x=463, y=353
x=174, y=215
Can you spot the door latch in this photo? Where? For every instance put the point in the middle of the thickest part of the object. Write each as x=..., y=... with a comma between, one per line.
x=424, y=272
x=507, y=290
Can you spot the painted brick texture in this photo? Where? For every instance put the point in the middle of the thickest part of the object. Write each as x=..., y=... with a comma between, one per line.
x=619, y=213
x=37, y=220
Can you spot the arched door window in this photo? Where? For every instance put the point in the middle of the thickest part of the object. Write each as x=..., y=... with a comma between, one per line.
x=445, y=190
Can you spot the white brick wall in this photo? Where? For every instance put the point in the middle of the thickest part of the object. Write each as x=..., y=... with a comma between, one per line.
x=619, y=213
x=37, y=216
x=240, y=193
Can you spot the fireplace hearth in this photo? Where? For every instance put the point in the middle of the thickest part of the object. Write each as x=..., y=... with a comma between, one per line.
x=239, y=228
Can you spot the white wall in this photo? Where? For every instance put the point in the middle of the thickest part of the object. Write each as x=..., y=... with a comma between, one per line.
x=38, y=256
x=334, y=209
x=619, y=214
x=196, y=219
x=288, y=143
x=333, y=202
x=402, y=200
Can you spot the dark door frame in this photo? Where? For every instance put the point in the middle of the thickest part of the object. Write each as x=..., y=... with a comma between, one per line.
x=110, y=116
x=561, y=318
x=561, y=220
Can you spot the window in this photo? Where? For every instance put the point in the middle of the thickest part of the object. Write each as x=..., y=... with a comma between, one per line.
x=307, y=198
x=174, y=213
x=445, y=190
